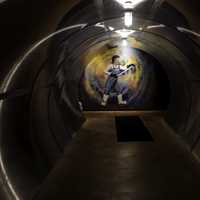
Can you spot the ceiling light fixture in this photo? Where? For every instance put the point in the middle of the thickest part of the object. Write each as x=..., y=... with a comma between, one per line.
x=128, y=18
x=129, y=4
x=124, y=33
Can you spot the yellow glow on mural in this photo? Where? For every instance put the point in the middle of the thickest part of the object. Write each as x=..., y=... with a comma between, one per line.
x=99, y=58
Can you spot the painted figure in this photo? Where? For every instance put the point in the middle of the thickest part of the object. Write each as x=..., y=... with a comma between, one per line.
x=114, y=72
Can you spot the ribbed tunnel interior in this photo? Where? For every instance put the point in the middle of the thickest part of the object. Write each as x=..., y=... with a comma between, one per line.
x=58, y=141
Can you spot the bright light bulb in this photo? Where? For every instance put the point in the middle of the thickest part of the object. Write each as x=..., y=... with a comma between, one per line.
x=129, y=4
x=128, y=18
x=124, y=33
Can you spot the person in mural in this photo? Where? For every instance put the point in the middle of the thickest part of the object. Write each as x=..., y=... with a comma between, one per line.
x=114, y=71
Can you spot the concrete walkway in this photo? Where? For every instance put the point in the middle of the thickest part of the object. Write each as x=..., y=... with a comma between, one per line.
x=96, y=167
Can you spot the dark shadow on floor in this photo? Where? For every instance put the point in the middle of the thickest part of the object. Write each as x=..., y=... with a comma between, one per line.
x=131, y=129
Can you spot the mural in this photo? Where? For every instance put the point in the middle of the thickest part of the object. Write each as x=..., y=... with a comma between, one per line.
x=116, y=77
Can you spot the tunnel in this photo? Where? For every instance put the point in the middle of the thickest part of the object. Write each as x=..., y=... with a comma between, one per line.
x=71, y=127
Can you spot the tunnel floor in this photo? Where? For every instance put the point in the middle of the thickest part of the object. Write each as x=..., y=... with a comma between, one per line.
x=96, y=167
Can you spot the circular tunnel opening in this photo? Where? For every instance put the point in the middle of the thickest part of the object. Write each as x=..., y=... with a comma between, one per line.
x=67, y=78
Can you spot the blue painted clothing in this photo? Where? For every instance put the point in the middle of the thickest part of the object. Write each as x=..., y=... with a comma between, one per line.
x=112, y=85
